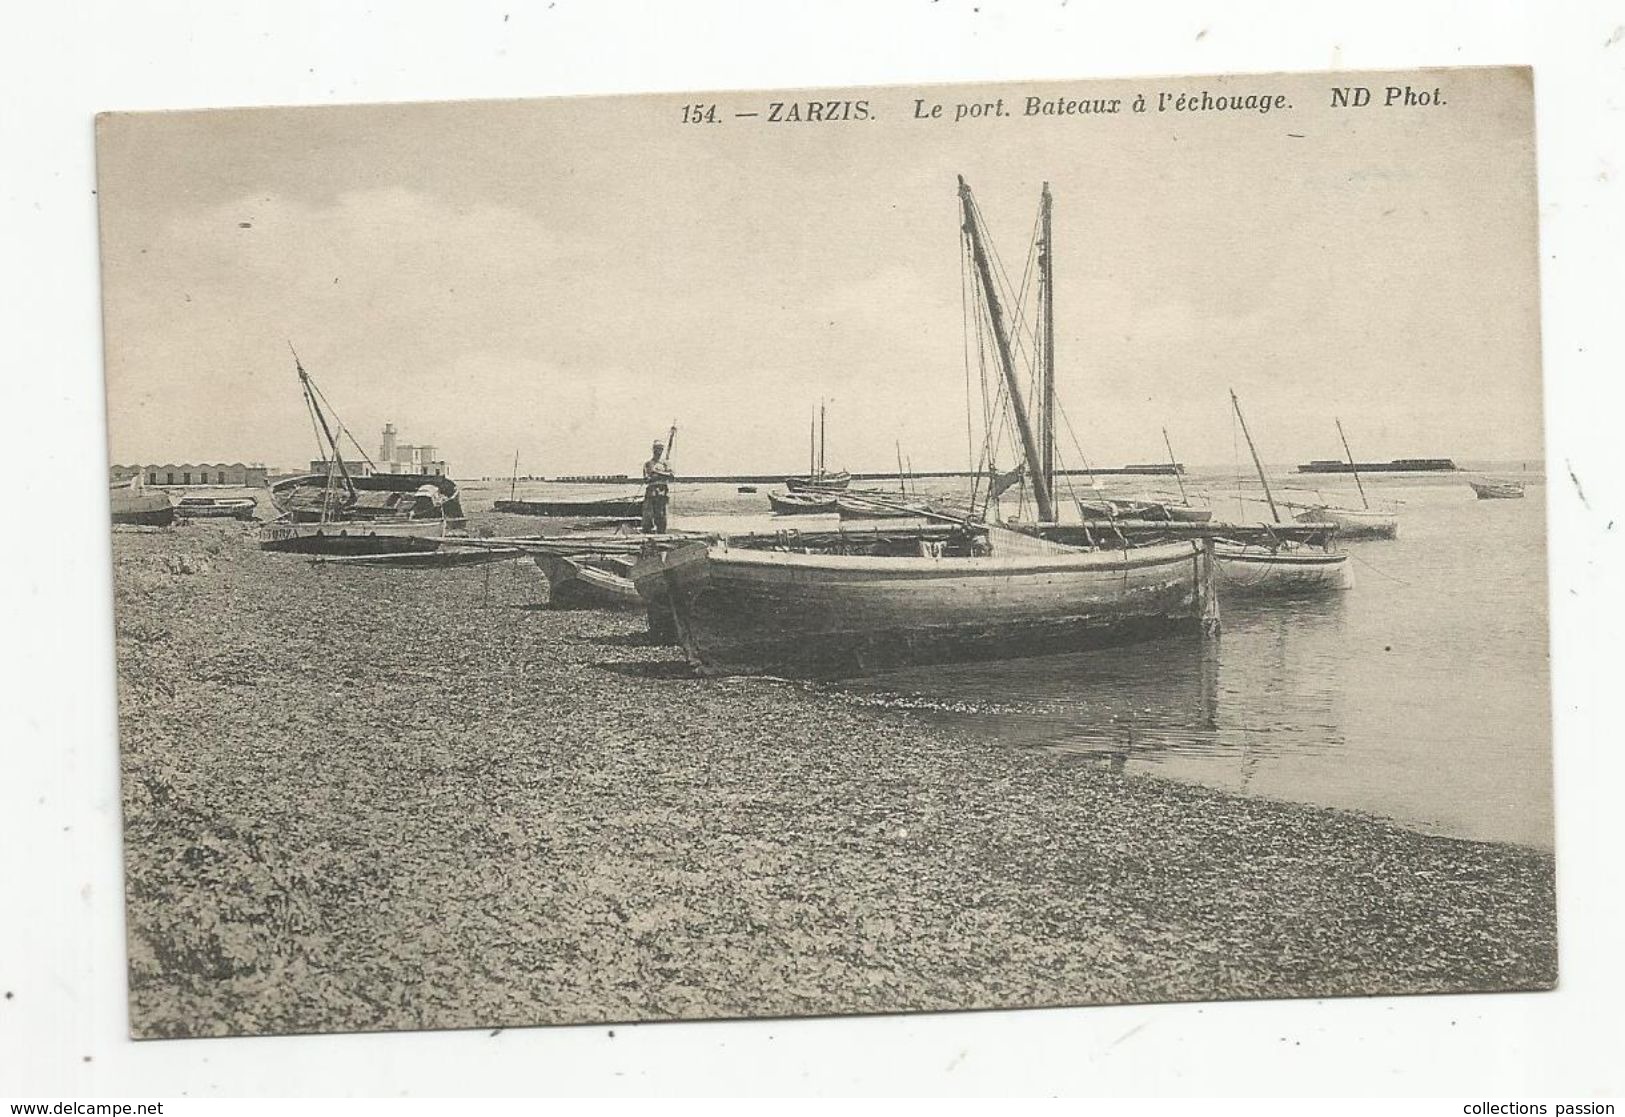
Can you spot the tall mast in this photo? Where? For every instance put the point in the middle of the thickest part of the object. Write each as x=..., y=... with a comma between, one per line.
x=1173, y=461
x=821, y=459
x=900, y=486
x=1360, y=484
x=514, y=485
x=1258, y=465
x=321, y=417
x=1046, y=302
x=1007, y=364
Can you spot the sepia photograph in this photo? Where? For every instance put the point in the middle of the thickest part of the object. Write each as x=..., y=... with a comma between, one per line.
x=835, y=551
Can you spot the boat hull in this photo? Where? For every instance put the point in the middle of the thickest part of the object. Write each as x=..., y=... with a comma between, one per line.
x=1494, y=491
x=825, y=482
x=134, y=505
x=216, y=508
x=802, y=503
x=1260, y=571
x=1353, y=523
x=754, y=612
x=352, y=537
x=613, y=508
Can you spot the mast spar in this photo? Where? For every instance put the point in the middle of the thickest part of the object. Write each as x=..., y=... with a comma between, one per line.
x=1173, y=461
x=1046, y=302
x=984, y=271
x=1258, y=465
x=1358, y=483
x=321, y=417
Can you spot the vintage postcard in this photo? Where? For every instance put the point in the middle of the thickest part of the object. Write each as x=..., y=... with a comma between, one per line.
x=829, y=551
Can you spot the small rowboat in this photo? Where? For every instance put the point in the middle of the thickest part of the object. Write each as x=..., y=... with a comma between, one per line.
x=1352, y=523
x=216, y=507
x=1287, y=570
x=134, y=504
x=802, y=503
x=1498, y=490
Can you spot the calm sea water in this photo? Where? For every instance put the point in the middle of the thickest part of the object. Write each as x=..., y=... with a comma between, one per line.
x=1422, y=694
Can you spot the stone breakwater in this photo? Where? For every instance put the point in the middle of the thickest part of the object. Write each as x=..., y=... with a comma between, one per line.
x=358, y=798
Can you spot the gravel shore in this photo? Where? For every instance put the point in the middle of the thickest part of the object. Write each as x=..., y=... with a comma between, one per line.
x=361, y=798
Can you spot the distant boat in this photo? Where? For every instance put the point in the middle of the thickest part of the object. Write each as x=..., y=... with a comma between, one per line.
x=821, y=482
x=216, y=507
x=818, y=478
x=1498, y=490
x=1352, y=523
x=627, y=508
x=1279, y=567
x=1364, y=522
x=133, y=503
x=1398, y=465
x=802, y=503
x=747, y=488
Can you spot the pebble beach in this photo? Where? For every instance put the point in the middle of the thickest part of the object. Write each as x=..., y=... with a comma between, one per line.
x=369, y=798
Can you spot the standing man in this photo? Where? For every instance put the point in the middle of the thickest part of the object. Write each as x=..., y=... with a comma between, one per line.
x=657, y=478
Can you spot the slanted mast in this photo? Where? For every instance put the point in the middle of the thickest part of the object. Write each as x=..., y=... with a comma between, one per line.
x=974, y=235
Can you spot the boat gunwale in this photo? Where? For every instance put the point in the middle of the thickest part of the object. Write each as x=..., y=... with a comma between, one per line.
x=901, y=567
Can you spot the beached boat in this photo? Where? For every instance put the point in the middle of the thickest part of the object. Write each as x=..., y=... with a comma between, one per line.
x=216, y=507
x=132, y=502
x=802, y=503
x=1497, y=490
x=1364, y=522
x=436, y=559
x=978, y=592
x=628, y=507
x=1281, y=566
x=337, y=512
x=588, y=580
x=745, y=611
x=818, y=478
x=353, y=537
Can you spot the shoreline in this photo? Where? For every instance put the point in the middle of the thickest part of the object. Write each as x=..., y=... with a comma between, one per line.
x=369, y=799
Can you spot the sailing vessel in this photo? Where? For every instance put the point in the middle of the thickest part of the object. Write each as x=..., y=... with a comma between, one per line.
x=1364, y=522
x=979, y=591
x=1277, y=566
x=338, y=512
x=818, y=478
x=133, y=503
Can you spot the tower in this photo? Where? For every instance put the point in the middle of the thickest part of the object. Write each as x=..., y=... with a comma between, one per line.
x=387, y=452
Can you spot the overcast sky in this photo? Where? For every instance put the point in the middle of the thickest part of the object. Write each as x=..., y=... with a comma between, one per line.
x=566, y=278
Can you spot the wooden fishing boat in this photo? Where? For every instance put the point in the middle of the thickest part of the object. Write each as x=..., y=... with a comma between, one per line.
x=821, y=482
x=1364, y=522
x=1352, y=523
x=132, y=503
x=216, y=507
x=588, y=581
x=327, y=497
x=353, y=537
x=1277, y=567
x=746, y=611
x=1498, y=490
x=443, y=557
x=802, y=503
x=1286, y=570
x=977, y=592
x=339, y=513
x=629, y=508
